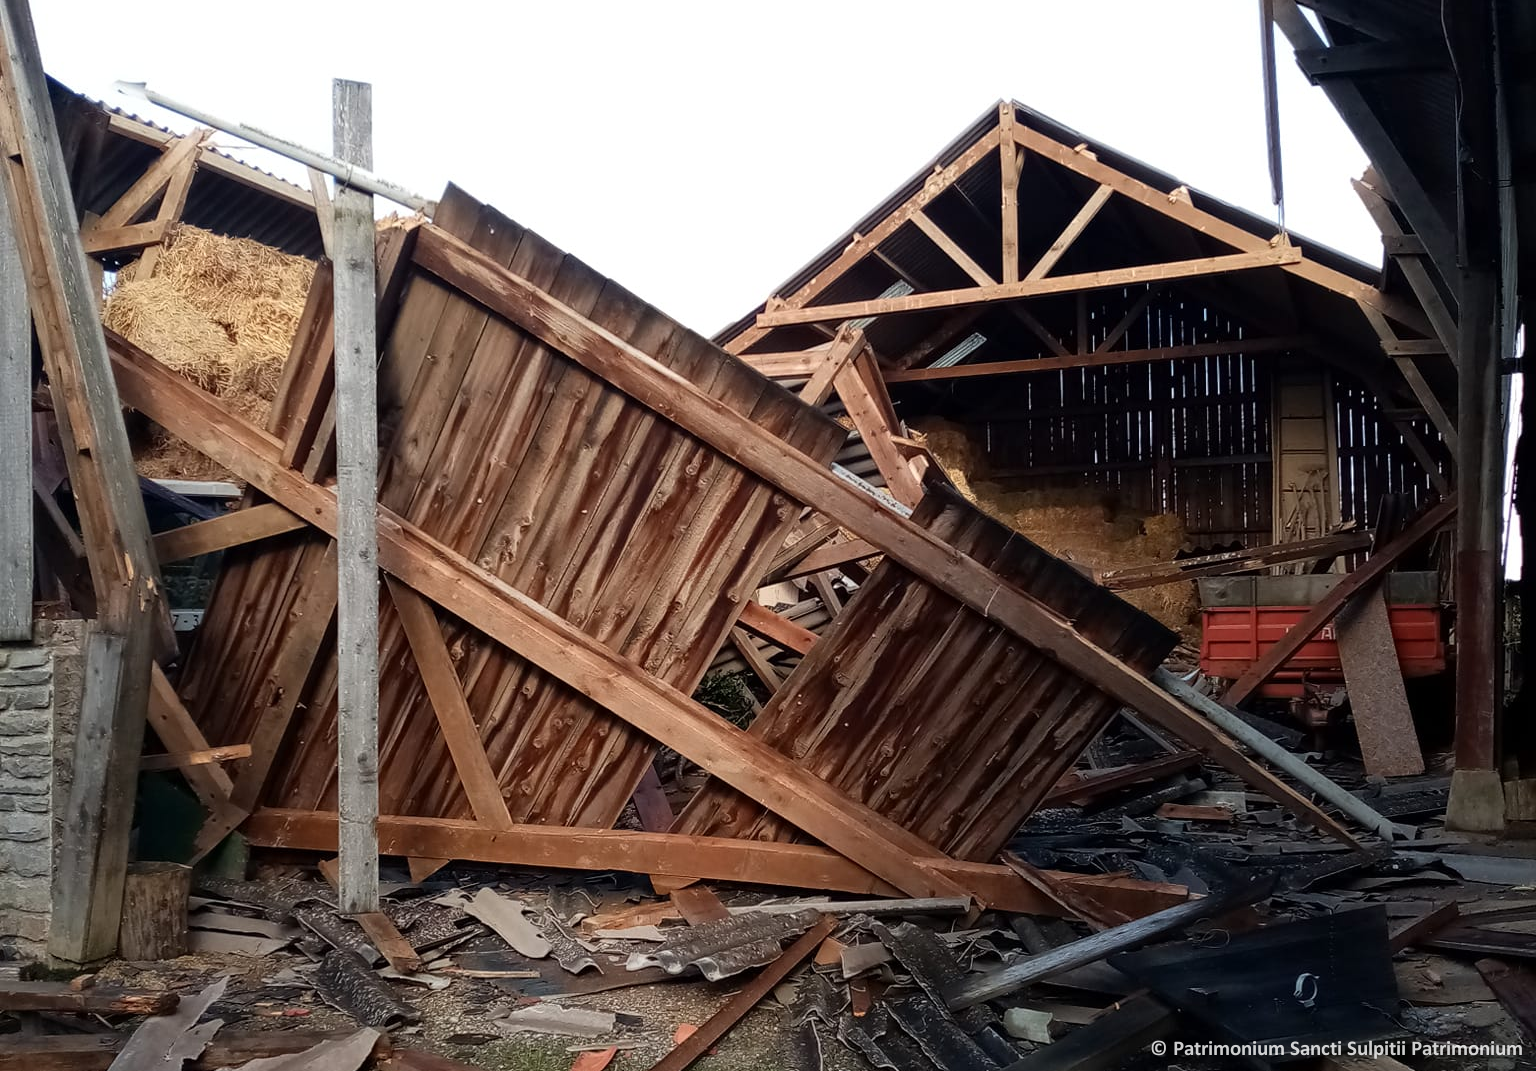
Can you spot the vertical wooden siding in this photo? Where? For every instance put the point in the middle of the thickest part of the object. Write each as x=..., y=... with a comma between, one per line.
x=939, y=720
x=516, y=457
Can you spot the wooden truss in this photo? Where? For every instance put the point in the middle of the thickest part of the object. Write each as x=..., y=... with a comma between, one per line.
x=436, y=591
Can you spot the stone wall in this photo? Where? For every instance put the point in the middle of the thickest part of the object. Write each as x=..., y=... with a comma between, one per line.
x=39, y=704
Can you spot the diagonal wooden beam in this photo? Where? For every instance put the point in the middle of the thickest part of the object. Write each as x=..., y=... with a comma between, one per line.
x=100, y=240
x=1182, y=210
x=1064, y=284
x=177, y=189
x=1412, y=265
x=1070, y=233
x=1038, y=329
x=1325, y=608
x=1416, y=381
x=952, y=249
x=168, y=164
x=864, y=244
x=548, y=641
x=233, y=529
x=839, y=352
x=446, y=694
x=776, y=629
x=1126, y=322
x=737, y=437
x=863, y=394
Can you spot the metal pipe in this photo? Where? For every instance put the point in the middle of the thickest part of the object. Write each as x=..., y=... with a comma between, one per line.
x=359, y=178
x=1277, y=756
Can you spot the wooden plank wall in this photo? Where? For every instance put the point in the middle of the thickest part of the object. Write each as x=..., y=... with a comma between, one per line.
x=1373, y=460
x=517, y=458
x=1191, y=436
x=917, y=706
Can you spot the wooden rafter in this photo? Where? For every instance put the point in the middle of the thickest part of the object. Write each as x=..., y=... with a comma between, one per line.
x=1011, y=160
x=1412, y=265
x=862, y=245
x=1070, y=233
x=233, y=529
x=863, y=394
x=776, y=629
x=171, y=162
x=1197, y=219
x=841, y=350
x=1098, y=359
x=1415, y=379
x=951, y=249
x=1065, y=284
x=1126, y=322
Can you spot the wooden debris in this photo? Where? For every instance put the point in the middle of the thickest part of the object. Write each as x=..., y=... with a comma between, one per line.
x=155, y=911
x=698, y=905
x=182, y=759
x=100, y=1000
x=387, y=939
x=716, y=1027
x=1194, y=812
x=1072, y=901
x=1425, y=925
x=1107, y=1043
x=95, y=1052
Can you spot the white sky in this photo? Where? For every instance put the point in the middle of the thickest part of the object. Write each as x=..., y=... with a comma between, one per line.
x=701, y=152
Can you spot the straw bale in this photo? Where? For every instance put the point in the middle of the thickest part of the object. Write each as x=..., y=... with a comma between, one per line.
x=1079, y=524
x=220, y=311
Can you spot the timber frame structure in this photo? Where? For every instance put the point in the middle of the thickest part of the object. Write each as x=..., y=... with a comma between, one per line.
x=1101, y=319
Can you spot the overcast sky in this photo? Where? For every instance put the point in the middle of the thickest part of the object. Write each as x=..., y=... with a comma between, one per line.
x=701, y=152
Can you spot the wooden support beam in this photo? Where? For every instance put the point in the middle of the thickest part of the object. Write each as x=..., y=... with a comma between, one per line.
x=753, y=862
x=831, y=556
x=546, y=640
x=781, y=631
x=863, y=394
x=323, y=210
x=1324, y=609
x=1064, y=284
x=172, y=204
x=460, y=733
x=1010, y=162
x=185, y=760
x=864, y=244
x=16, y=566
x=178, y=153
x=1126, y=322
x=100, y=240
x=1233, y=561
x=788, y=365
x=1180, y=209
x=737, y=437
x=233, y=529
x=756, y=660
x=1038, y=329
x=357, y=479
x=1070, y=233
x=695, y=1045
x=179, y=733
x=849, y=341
x=1415, y=379
x=131, y=623
x=952, y=249
x=1413, y=268
x=1099, y=359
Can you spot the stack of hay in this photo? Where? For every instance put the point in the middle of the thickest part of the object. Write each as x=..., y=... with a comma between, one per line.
x=220, y=311
x=1079, y=524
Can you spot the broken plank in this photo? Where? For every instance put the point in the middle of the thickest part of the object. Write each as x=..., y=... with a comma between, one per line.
x=1378, y=697
x=386, y=937
x=717, y=1025
x=761, y=621
x=699, y=905
x=1233, y=561
x=95, y=1052
x=96, y=1000
x=180, y=760
x=1073, y=903
x=1194, y=812
x=1107, y=1043
x=1425, y=925
x=233, y=529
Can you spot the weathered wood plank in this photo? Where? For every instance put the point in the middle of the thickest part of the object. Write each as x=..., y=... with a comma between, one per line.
x=233, y=529
x=15, y=441
x=1099, y=359
x=357, y=477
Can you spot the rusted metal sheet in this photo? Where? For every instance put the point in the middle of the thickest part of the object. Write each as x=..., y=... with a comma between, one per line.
x=515, y=457
x=931, y=715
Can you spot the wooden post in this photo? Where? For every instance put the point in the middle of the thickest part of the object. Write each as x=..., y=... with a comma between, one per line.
x=131, y=619
x=155, y=911
x=357, y=464
x=15, y=442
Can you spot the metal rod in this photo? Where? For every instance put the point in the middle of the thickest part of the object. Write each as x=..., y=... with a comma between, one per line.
x=1277, y=756
x=353, y=175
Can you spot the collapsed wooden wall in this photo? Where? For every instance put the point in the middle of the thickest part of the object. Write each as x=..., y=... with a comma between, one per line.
x=515, y=457
x=936, y=718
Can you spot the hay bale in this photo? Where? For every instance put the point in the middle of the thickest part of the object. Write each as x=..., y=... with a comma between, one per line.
x=220, y=311
x=1079, y=524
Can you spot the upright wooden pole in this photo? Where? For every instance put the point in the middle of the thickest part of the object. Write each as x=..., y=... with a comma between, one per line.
x=131, y=620
x=357, y=465
x=15, y=442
